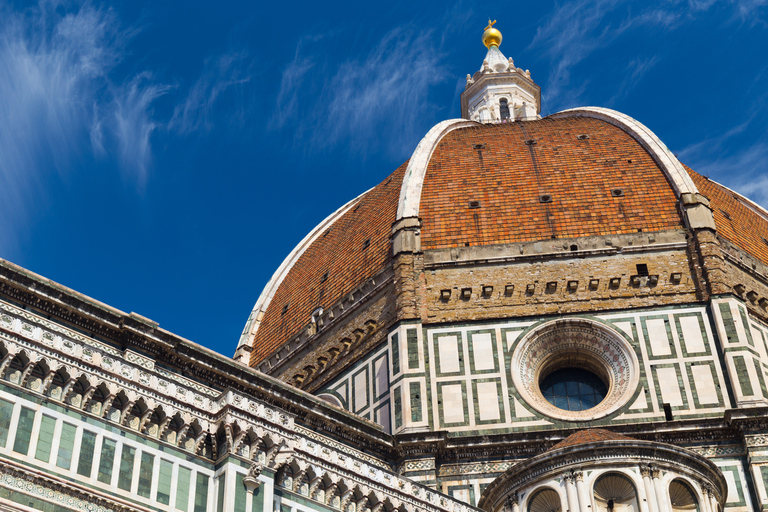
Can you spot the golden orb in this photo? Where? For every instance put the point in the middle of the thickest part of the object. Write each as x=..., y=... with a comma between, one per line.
x=491, y=36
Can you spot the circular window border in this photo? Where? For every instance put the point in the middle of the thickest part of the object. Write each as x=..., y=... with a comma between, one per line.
x=564, y=342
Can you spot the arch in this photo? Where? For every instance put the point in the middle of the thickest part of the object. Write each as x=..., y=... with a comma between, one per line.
x=100, y=395
x=78, y=391
x=615, y=492
x=545, y=499
x=413, y=180
x=37, y=376
x=155, y=422
x=331, y=399
x=58, y=383
x=668, y=162
x=682, y=497
x=504, y=109
x=262, y=303
x=16, y=369
x=172, y=429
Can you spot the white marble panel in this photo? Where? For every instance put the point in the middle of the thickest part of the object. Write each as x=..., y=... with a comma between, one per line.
x=626, y=327
x=382, y=417
x=657, y=334
x=448, y=347
x=641, y=402
x=453, y=404
x=694, y=342
x=361, y=390
x=511, y=337
x=482, y=351
x=381, y=375
x=488, y=401
x=733, y=492
x=705, y=384
x=670, y=388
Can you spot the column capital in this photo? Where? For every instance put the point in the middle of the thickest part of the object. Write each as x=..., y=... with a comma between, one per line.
x=251, y=480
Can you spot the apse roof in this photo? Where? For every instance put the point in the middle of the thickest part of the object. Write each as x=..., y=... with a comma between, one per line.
x=592, y=435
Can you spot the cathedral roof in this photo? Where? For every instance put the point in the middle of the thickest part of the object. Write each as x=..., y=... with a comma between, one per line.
x=592, y=435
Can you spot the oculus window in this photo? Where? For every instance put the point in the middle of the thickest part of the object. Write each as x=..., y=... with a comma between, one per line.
x=573, y=389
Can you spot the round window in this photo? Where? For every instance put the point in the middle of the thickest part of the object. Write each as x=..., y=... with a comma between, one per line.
x=575, y=369
x=573, y=389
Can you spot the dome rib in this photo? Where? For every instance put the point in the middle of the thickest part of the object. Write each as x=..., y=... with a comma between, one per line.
x=413, y=180
x=667, y=161
x=252, y=326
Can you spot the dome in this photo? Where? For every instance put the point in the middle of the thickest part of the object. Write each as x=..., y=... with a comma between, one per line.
x=504, y=215
x=566, y=178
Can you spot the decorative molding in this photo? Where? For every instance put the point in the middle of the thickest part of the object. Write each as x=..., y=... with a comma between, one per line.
x=413, y=180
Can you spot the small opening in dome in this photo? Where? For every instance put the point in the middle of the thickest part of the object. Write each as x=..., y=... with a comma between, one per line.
x=583, y=136
x=474, y=204
x=503, y=108
x=478, y=146
x=285, y=309
x=324, y=278
x=574, y=247
x=545, y=198
x=466, y=244
x=573, y=389
x=726, y=214
x=367, y=243
x=530, y=142
x=617, y=192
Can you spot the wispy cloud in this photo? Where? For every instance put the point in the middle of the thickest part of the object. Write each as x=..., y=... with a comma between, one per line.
x=744, y=170
x=635, y=70
x=61, y=99
x=574, y=31
x=220, y=74
x=383, y=91
x=52, y=68
x=571, y=33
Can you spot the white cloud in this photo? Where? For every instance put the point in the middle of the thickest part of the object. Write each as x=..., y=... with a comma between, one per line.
x=575, y=30
x=133, y=125
x=635, y=70
x=219, y=74
x=383, y=91
x=51, y=69
x=60, y=99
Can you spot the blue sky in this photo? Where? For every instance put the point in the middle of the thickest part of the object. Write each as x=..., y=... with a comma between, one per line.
x=164, y=157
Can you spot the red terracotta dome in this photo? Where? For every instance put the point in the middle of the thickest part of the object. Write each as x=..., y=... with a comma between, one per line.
x=590, y=172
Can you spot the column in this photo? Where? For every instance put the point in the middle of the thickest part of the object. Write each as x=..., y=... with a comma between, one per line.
x=661, y=500
x=511, y=504
x=713, y=500
x=580, y=491
x=650, y=494
x=706, y=490
x=570, y=492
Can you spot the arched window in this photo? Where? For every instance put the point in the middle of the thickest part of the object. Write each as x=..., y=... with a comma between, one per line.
x=682, y=497
x=615, y=493
x=545, y=500
x=503, y=108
